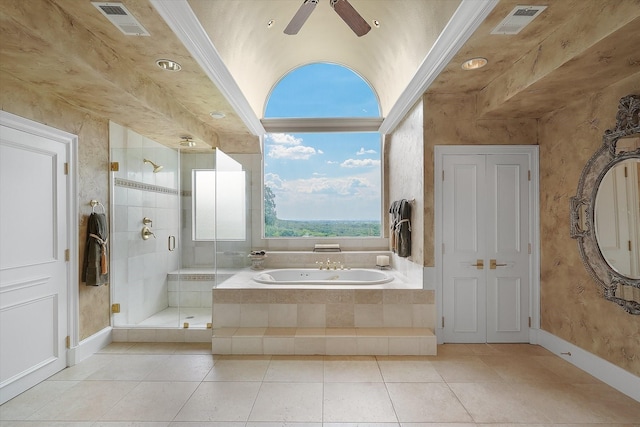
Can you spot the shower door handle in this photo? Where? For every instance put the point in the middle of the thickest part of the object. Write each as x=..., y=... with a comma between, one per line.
x=171, y=243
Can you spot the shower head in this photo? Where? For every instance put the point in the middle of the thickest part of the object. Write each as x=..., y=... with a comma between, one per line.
x=156, y=168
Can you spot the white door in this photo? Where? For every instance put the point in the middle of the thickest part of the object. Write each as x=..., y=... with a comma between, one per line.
x=33, y=272
x=485, y=253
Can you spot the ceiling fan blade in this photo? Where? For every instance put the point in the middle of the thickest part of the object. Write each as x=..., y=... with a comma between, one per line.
x=300, y=17
x=349, y=15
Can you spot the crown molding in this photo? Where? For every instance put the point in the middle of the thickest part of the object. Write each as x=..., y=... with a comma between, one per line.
x=183, y=22
x=466, y=19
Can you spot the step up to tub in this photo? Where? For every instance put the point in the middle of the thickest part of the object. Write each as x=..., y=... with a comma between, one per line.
x=325, y=341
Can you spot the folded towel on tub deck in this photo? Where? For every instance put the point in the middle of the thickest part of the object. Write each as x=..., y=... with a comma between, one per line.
x=95, y=267
x=266, y=277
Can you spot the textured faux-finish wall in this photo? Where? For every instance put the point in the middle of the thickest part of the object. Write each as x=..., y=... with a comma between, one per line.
x=570, y=305
x=404, y=170
x=451, y=119
x=93, y=176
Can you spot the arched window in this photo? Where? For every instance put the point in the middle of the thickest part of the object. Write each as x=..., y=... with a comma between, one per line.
x=322, y=174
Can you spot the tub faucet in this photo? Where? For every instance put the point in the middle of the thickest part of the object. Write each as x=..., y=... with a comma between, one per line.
x=322, y=265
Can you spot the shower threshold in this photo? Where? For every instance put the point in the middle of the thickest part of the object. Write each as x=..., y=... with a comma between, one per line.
x=176, y=317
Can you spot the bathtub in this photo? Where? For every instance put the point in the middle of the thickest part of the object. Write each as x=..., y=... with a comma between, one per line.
x=309, y=276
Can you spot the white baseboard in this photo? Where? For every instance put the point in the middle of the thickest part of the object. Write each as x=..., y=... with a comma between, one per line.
x=605, y=371
x=89, y=346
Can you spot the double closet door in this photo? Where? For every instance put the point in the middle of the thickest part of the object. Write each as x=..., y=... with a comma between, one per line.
x=486, y=247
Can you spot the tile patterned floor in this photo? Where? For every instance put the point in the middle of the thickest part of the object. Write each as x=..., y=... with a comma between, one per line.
x=166, y=384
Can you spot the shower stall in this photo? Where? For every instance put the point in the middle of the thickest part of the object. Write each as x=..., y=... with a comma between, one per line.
x=179, y=227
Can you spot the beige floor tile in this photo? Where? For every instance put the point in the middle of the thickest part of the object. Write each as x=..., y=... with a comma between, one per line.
x=408, y=370
x=194, y=348
x=610, y=404
x=351, y=369
x=220, y=401
x=565, y=371
x=181, y=367
x=521, y=369
x=117, y=347
x=51, y=424
x=281, y=424
x=133, y=424
x=154, y=348
x=238, y=368
x=357, y=402
x=203, y=424
x=426, y=402
x=496, y=403
x=152, y=401
x=83, y=369
x=361, y=425
x=297, y=402
x=465, y=370
x=85, y=401
x=26, y=404
x=519, y=349
x=128, y=367
x=295, y=369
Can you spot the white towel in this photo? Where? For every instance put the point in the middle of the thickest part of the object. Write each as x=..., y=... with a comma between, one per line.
x=266, y=277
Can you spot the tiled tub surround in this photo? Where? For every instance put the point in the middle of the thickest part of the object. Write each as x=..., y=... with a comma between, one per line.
x=323, y=321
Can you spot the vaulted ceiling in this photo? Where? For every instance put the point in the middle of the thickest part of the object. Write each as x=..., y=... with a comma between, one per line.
x=231, y=57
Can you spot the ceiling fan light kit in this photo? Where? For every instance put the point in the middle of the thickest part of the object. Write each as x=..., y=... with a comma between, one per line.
x=343, y=8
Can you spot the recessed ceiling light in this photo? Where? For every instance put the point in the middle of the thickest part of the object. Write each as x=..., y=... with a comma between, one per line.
x=270, y=23
x=187, y=142
x=169, y=65
x=217, y=114
x=376, y=23
x=474, y=63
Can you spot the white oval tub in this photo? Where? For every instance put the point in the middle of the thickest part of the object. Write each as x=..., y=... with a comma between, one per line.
x=309, y=276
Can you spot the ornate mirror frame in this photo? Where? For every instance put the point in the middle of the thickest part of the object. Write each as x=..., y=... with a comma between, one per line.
x=582, y=221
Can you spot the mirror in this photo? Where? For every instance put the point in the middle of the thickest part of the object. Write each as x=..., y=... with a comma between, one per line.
x=617, y=218
x=605, y=213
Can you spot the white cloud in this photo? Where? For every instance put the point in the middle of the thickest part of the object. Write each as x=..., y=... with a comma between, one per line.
x=283, y=139
x=297, y=152
x=360, y=163
x=287, y=146
x=362, y=152
x=273, y=181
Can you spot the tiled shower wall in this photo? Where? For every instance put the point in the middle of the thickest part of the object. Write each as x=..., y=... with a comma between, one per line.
x=139, y=267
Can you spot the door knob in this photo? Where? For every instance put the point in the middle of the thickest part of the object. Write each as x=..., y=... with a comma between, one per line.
x=479, y=264
x=493, y=264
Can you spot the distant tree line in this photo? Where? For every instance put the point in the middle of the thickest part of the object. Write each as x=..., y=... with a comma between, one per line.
x=275, y=227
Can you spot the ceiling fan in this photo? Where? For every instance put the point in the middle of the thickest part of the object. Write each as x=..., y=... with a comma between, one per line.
x=343, y=8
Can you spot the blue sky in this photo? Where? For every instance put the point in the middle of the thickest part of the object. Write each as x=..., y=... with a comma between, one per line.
x=329, y=175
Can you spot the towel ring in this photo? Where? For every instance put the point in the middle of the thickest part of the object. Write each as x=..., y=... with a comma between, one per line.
x=95, y=203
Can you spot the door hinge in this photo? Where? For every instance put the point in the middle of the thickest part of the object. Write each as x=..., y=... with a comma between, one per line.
x=529, y=248
x=443, y=175
x=529, y=175
x=67, y=255
x=529, y=321
x=629, y=245
x=625, y=172
x=115, y=308
x=443, y=321
x=185, y=325
x=66, y=168
x=115, y=166
x=67, y=341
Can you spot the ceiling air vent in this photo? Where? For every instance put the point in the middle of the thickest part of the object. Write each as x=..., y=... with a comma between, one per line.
x=121, y=18
x=517, y=19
